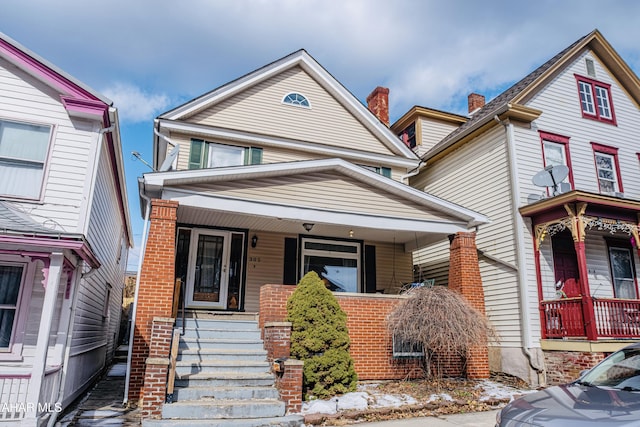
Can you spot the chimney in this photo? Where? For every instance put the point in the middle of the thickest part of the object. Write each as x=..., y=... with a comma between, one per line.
x=476, y=101
x=378, y=103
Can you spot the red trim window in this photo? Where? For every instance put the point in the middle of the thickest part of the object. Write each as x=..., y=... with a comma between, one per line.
x=595, y=100
x=555, y=151
x=607, y=168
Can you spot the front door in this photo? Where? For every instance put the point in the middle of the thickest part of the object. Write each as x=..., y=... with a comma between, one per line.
x=208, y=272
x=565, y=263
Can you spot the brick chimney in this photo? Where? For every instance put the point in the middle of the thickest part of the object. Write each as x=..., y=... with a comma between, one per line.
x=378, y=103
x=476, y=101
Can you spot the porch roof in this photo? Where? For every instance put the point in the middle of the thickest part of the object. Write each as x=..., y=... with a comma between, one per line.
x=341, y=200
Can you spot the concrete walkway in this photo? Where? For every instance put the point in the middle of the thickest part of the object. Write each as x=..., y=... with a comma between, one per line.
x=103, y=404
x=470, y=419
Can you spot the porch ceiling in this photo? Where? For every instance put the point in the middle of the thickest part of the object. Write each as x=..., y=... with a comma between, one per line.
x=413, y=234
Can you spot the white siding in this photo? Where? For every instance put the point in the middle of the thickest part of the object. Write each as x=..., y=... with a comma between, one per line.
x=95, y=335
x=25, y=99
x=562, y=114
x=431, y=132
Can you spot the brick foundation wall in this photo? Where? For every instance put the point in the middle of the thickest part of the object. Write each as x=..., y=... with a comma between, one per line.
x=154, y=390
x=371, y=344
x=155, y=294
x=464, y=277
x=565, y=366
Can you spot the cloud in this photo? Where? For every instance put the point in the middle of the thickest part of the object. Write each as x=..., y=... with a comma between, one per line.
x=135, y=105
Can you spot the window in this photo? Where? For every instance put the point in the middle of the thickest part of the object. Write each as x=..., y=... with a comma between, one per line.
x=595, y=100
x=386, y=172
x=403, y=348
x=555, y=151
x=607, y=168
x=23, y=152
x=622, y=270
x=408, y=136
x=205, y=154
x=337, y=262
x=10, y=284
x=294, y=98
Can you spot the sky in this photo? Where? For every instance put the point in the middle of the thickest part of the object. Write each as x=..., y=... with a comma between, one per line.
x=150, y=56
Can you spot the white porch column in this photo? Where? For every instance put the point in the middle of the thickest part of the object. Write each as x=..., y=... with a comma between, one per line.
x=52, y=275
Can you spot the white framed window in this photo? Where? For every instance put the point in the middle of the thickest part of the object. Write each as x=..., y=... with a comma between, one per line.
x=607, y=168
x=606, y=172
x=622, y=272
x=555, y=151
x=295, y=98
x=205, y=154
x=337, y=262
x=23, y=153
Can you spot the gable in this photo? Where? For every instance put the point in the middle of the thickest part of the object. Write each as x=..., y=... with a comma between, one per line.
x=328, y=190
x=259, y=109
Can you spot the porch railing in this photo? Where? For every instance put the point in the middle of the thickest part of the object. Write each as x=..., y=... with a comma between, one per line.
x=617, y=318
x=614, y=318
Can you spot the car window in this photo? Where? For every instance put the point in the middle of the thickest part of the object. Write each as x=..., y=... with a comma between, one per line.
x=620, y=370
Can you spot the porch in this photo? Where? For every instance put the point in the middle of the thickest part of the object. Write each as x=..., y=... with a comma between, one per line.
x=569, y=318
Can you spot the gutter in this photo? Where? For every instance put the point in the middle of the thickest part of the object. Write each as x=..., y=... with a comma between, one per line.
x=523, y=299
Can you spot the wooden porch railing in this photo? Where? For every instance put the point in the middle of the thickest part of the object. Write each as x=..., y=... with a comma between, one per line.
x=614, y=318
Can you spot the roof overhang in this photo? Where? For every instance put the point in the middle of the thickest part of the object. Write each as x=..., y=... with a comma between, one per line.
x=606, y=206
x=277, y=142
x=287, y=217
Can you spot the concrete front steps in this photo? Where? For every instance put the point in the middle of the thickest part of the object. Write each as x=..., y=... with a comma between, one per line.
x=223, y=377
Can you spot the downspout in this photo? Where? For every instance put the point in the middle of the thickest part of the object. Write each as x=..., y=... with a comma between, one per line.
x=525, y=319
x=143, y=246
x=416, y=171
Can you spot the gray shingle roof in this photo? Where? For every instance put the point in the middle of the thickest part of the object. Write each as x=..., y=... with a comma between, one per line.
x=501, y=101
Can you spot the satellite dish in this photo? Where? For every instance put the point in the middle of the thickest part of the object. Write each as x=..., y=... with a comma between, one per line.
x=551, y=176
x=167, y=165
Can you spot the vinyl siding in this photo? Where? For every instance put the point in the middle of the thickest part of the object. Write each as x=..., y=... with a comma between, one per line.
x=321, y=190
x=432, y=132
x=562, y=115
x=260, y=110
x=25, y=99
x=265, y=266
x=95, y=336
x=269, y=154
x=484, y=186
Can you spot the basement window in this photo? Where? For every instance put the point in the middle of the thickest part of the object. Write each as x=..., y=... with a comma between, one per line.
x=406, y=349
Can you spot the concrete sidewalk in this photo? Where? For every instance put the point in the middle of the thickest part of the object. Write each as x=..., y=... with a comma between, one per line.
x=102, y=406
x=470, y=419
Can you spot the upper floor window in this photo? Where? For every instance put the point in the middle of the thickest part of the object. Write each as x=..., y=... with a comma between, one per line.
x=607, y=168
x=595, y=100
x=555, y=151
x=408, y=135
x=386, y=172
x=205, y=154
x=295, y=98
x=23, y=153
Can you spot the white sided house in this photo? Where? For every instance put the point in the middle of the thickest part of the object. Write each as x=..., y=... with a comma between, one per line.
x=554, y=163
x=64, y=236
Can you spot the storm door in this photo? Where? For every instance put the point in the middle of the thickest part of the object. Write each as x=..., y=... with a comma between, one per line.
x=208, y=271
